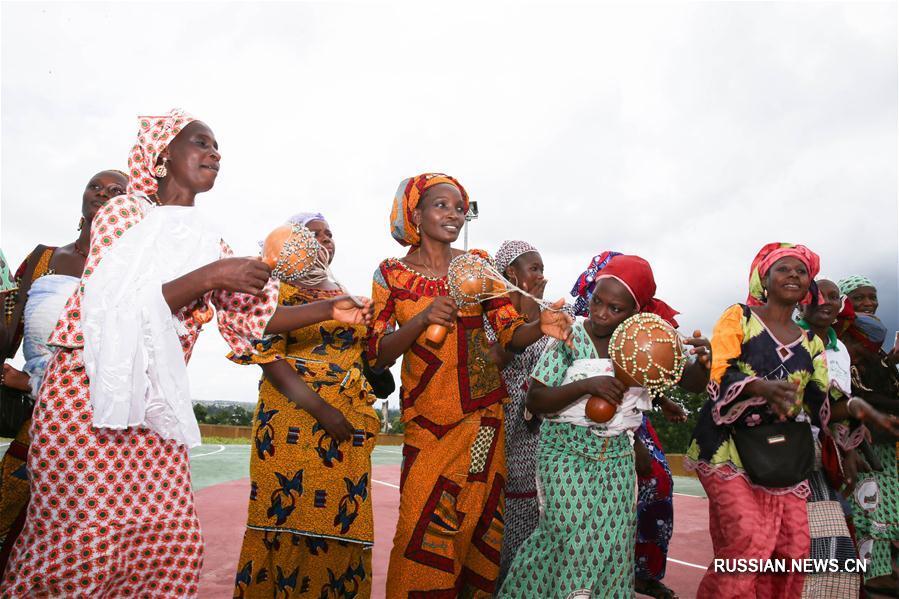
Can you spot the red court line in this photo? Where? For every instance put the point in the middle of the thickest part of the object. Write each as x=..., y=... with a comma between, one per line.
x=222, y=510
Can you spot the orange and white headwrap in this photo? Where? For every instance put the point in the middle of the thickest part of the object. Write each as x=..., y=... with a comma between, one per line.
x=408, y=194
x=154, y=134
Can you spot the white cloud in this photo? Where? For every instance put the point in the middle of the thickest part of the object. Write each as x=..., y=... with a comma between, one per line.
x=688, y=133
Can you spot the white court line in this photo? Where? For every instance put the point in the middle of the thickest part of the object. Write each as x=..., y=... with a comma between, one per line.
x=381, y=482
x=220, y=449
x=688, y=495
x=3, y=444
x=677, y=561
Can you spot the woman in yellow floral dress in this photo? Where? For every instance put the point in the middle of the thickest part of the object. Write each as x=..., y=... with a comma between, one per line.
x=309, y=524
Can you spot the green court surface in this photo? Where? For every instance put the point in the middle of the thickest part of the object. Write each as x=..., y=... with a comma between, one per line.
x=213, y=464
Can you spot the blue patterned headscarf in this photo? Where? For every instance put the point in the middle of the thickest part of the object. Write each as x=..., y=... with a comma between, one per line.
x=585, y=283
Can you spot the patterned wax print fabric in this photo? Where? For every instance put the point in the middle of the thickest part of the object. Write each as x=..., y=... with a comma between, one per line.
x=743, y=350
x=830, y=539
x=586, y=282
x=309, y=524
x=154, y=134
x=875, y=501
x=509, y=251
x=849, y=284
x=875, y=511
x=584, y=541
x=112, y=511
x=14, y=488
x=583, y=545
x=655, y=508
x=6, y=280
x=747, y=522
x=522, y=439
x=453, y=477
x=292, y=565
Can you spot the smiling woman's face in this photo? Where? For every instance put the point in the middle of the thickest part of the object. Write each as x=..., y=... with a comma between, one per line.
x=864, y=300
x=825, y=313
x=787, y=280
x=441, y=213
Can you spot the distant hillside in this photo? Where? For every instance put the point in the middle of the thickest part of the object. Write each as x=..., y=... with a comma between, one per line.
x=223, y=412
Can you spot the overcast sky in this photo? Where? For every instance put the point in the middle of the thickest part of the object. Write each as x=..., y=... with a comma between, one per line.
x=690, y=134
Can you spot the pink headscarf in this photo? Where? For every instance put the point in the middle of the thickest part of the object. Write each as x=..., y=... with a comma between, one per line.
x=154, y=134
x=765, y=259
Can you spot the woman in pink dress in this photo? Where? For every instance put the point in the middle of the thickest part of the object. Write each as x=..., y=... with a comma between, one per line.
x=112, y=510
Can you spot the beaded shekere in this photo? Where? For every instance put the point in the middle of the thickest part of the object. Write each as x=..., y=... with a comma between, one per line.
x=650, y=351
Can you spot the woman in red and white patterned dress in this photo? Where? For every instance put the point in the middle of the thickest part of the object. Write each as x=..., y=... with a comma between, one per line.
x=112, y=510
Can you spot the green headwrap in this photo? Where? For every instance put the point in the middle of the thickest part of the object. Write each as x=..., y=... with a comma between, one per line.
x=851, y=283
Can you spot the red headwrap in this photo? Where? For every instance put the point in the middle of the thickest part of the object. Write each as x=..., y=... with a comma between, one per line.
x=765, y=259
x=636, y=275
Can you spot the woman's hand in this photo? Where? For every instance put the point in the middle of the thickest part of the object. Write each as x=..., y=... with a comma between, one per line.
x=702, y=349
x=606, y=387
x=893, y=356
x=240, y=275
x=888, y=423
x=672, y=410
x=780, y=395
x=499, y=356
x=853, y=463
x=334, y=422
x=16, y=379
x=556, y=324
x=351, y=310
x=442, y=311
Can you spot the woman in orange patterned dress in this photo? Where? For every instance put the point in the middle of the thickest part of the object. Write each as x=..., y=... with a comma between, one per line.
x=450, y=526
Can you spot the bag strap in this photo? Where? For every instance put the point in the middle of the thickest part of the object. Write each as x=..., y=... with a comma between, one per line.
x=36, y=265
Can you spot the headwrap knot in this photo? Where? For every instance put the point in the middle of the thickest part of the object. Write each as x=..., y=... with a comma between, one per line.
x=154, y=134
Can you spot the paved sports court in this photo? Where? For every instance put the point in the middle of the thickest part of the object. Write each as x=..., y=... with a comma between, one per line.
x=220, y=477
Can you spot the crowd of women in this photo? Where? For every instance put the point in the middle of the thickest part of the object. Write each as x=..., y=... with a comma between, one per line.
x=507, y=488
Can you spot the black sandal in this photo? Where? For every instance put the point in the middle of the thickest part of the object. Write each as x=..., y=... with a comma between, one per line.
x=654, y=588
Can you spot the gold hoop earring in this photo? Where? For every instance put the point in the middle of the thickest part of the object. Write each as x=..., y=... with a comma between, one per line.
x=160, y=171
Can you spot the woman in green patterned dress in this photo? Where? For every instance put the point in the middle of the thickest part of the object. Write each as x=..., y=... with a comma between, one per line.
x=584, y=543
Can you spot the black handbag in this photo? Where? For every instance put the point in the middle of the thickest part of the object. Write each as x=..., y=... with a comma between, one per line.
x=381, y=381
x=776, y=455
x=15, y=409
